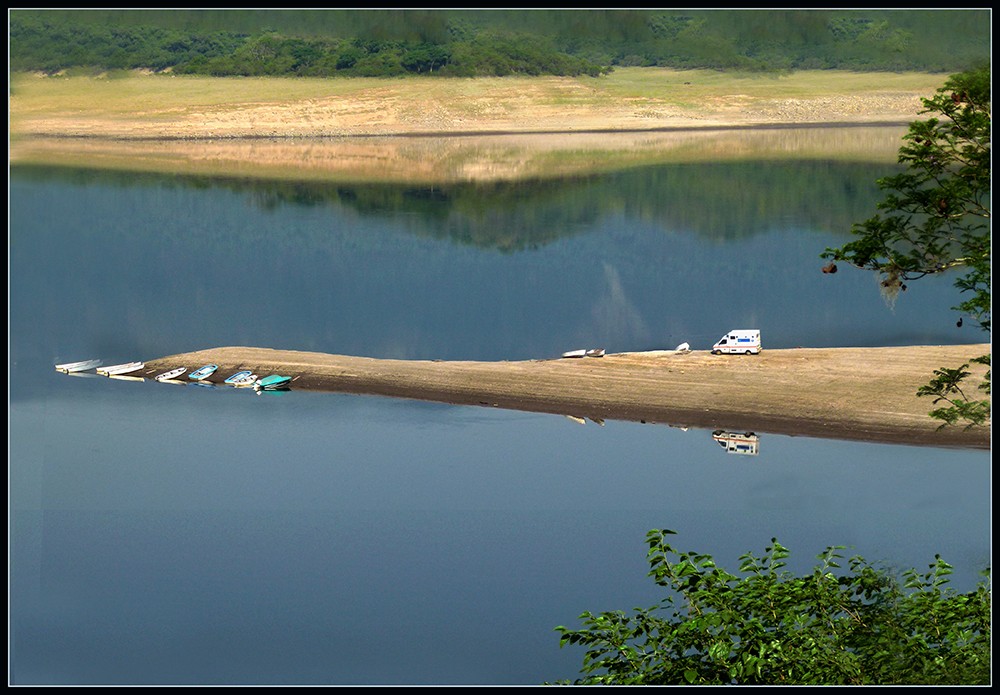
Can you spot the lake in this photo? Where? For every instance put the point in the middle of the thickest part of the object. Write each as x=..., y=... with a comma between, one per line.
x=165, y=534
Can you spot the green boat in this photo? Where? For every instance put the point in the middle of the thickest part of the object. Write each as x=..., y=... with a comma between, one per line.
x=274, y=382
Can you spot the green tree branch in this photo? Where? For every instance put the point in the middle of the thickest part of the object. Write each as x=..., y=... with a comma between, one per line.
x=936, y=220
x=768, y=627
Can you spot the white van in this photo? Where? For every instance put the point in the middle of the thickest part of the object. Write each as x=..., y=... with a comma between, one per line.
x=743, y=342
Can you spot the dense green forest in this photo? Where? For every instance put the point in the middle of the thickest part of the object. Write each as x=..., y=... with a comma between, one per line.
x=467, y=43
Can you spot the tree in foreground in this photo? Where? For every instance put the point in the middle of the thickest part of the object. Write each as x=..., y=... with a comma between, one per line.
x=771, y=628
x=937, y=219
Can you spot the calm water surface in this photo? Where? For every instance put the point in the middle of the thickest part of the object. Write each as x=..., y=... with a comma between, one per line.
x=168, y=534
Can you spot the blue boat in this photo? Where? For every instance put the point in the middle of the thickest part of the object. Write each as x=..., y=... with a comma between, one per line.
x=203, y=372
x=273, y=383
x=239, y=377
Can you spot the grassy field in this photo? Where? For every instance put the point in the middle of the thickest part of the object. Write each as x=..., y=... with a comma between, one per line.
x=658, y=82
x=124, y=95
x=127, y=92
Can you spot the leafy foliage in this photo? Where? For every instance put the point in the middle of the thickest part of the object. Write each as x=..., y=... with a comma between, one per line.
x=41, y=43
x=947, y=386
x=938, y=220
x=495, y=42
x=769, y=627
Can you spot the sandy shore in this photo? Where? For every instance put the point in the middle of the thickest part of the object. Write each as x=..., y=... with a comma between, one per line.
x=861, y=394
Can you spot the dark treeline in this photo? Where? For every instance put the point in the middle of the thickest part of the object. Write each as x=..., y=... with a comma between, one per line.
x=467, y=43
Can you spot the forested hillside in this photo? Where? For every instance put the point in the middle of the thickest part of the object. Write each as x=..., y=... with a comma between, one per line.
x=466, y=43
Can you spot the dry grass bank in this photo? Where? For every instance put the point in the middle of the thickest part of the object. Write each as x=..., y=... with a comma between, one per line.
x=172, y=106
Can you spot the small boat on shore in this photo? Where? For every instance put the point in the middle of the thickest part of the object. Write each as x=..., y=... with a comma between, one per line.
x=172, y=374
x=118, y=369
x=244, y=382
x=239, y=377
x=203, y=372
x=592, y=352
x=273, y=382
x=74, y=367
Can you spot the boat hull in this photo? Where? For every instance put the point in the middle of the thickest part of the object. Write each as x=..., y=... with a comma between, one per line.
x=74, y=367
x=239, y=377
x=593, y=352
x=118, y=369
x=172, y=374
x=203, y=372
x=273, y=383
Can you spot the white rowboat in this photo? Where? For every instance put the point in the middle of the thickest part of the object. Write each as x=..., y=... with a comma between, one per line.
x=172, y=374
x=121, y=368
x=73, y=367
x=593, y=352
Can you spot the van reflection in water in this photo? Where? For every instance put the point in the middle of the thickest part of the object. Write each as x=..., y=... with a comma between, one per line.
x=746, y=443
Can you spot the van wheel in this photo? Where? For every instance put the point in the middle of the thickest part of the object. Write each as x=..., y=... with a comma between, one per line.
x=749, y=352
x=716, y=352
